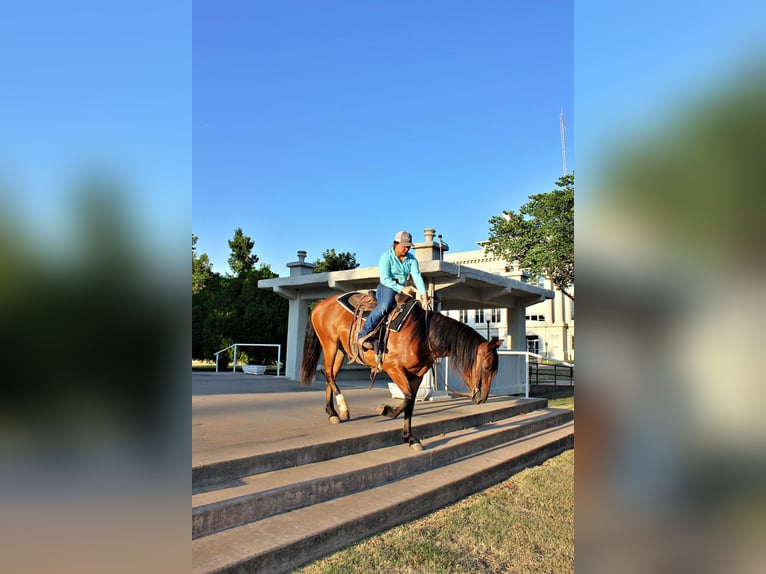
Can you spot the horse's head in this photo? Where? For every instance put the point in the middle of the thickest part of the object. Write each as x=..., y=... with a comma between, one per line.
x=485, y=370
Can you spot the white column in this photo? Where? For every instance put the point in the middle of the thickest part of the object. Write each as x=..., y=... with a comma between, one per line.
x=517, y=333
x=297, y=320
x=517, y=329
x=296, y=331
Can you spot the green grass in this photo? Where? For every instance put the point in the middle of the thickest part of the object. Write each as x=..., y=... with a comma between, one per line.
x=522, y=525
x=558, y=397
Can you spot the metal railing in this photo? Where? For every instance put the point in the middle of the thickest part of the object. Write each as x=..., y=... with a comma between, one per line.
x=545, y=374
x=527, y=366
x=235, y=345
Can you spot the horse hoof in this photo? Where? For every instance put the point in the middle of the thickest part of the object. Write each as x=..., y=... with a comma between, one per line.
x=345, y=415
x=381, y=410
x=334, y=420
x=416, y=446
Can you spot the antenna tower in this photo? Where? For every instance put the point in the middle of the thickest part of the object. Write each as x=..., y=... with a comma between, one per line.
x=563, y=141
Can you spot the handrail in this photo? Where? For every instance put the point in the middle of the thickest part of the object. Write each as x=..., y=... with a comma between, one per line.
x=556, y=363
x=235, y=345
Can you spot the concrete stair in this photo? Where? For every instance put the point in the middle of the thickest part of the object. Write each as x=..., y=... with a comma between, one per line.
x=275, y=511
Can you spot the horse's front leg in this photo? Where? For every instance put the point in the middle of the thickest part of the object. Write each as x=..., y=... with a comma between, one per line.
x=407, y=405
x=407, y=435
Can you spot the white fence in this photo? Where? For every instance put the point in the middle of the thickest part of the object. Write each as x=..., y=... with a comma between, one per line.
x=235, y=345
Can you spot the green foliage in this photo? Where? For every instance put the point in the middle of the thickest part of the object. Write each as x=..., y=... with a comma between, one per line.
x=202, y=269
x=540, y=236
x=335, y=261
x=242, y=259
x=233, y=309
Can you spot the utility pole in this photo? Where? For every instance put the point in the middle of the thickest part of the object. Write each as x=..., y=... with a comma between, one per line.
x=563, y=141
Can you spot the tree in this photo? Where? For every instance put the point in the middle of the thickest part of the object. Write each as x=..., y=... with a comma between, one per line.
x=234, y=309
x=335, y=261
x=540, y=236
x=242, y=259
x=231, y=308
x=202, y=269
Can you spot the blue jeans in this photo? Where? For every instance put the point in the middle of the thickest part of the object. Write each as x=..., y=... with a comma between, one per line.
x=386, y=303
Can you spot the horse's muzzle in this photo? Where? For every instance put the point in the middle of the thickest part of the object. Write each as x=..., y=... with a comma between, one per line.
x=477, y=396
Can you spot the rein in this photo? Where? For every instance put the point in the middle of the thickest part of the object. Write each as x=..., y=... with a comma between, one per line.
x=430, y=347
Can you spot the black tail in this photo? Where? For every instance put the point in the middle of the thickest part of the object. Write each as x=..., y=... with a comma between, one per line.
x=311, y=352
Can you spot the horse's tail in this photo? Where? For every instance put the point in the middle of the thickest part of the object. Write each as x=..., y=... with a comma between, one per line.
x=311, y=353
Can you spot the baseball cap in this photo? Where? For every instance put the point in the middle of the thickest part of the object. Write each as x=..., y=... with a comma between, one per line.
x=404, y=238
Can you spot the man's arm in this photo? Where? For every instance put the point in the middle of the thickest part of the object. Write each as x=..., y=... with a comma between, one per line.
x=417, y=278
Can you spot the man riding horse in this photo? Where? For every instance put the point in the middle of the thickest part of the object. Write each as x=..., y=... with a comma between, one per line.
x=396, y=264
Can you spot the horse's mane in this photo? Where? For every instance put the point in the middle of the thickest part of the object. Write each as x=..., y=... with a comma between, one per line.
x=455, y=339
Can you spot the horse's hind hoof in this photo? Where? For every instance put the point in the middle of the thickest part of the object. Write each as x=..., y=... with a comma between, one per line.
x=416, y=446
x=381, y=410
x=334, y=420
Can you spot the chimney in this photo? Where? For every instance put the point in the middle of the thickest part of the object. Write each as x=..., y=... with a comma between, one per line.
x=430, y=250
x=300, y=267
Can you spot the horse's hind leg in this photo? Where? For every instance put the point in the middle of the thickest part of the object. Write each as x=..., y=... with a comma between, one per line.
x=332, y=391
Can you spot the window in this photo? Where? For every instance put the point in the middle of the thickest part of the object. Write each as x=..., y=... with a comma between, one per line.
x=479, y=315
x=463, y=316
x=495, y=315
x=533, y=344
x=540, y=318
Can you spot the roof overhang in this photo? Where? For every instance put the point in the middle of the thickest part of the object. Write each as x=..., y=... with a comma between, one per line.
x=457, y=286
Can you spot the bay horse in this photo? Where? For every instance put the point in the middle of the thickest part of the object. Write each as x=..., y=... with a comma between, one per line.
x=410, y=352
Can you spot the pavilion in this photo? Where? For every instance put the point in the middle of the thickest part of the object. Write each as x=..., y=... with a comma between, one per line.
x=455, y=286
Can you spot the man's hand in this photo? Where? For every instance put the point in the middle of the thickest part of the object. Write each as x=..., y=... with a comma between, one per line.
x=425, y=300
x=409, y=290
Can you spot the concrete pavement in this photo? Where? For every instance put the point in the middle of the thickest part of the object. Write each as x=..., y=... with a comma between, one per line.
x=235, y=415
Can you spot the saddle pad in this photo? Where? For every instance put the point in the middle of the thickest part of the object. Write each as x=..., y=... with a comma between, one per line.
x=346, y=300
x=396, y=324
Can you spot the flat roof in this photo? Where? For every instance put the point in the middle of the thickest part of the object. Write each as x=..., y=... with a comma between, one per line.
x=457, y=286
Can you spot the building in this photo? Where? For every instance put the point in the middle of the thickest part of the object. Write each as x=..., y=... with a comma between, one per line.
x=549, y=324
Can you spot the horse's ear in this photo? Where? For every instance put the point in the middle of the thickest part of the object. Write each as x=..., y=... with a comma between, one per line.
x=494, y=343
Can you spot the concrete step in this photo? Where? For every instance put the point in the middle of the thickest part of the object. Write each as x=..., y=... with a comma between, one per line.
x=233, y=503
x=284, y=541
x=423, y=427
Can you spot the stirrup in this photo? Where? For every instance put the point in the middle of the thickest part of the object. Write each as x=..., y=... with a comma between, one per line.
x=366, y=342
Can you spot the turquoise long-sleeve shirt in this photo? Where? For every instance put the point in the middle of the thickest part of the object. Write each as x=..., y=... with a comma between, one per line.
x=393, y=273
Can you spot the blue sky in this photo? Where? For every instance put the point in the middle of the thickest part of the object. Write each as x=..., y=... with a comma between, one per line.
x=334, y=124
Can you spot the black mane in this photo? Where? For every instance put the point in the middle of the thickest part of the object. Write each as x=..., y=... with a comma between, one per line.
x=457, y=340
